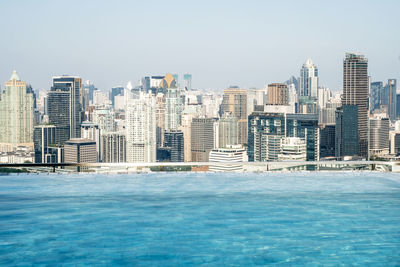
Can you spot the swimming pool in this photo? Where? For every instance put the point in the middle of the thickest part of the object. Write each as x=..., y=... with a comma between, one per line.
x=175, y=219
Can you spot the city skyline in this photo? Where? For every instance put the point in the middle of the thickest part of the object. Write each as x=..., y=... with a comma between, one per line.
x=220, y=44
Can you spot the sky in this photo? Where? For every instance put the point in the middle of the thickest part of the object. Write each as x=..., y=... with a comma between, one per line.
x=221, y=43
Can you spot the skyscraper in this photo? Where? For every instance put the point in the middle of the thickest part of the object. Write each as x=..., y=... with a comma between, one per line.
x=173, y=140
x=64, y=107
x=202, y=133
x=389, y=98
x=173, y=103
x=355, y=92
x=228, y=130
x=113, y=146
x=235, y=101
x=114, y=92
x=278, y=94
x=187, y=81
x=141, y=129
x=16, y=114
x=308, y=81
x=44, y=137
x=346, y=131
x=376, y=93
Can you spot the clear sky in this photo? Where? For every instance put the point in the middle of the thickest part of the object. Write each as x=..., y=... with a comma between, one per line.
x=222, y=43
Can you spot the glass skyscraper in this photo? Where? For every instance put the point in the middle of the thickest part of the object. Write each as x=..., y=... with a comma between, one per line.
x=65, y=107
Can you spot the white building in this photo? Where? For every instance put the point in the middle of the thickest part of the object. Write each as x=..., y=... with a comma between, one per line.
x=293, y=148
x=308, y=82
x=231, y=157
x=173, y=109
x=141, y=129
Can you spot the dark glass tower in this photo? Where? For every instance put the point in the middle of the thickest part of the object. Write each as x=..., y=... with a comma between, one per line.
x=174, y=140
x=65, y=107
x=355, y=92
x=346, y=131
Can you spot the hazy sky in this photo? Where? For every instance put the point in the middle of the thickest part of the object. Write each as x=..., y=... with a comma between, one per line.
x=222, y=43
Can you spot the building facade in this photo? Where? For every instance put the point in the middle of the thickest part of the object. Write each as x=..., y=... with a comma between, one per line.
x=266, y=131
x=308, y=81
x=202, y=136
x=355, y=92
x=16, y=115
x=278, y=94
x=235, y=101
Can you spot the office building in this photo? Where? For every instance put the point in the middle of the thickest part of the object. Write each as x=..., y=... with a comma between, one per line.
x=375, y=95
x=44, y=138
x=173, y=103
x=308, y=81
x=141, y=129
x=355, y=92
x=115, y=91
x=202, y=136
x=228, y=130
x=346, y=131
x=187, y=81
x=80, y=150
x=267, y=131
x=379, y=135
x=113, y=145
x=394, y=141
x=173, y=139
x=231, y=156
x=278, y=94
x=389, y=98
x=64, y=107
x=92, y=131
x=16, y=115
x=235, y=101
x=327, y=140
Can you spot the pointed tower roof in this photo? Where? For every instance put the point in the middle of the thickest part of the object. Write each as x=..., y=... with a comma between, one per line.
x=15, y=76
x=309, y=62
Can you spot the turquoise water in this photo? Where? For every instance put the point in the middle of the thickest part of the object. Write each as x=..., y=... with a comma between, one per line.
x=201, y=219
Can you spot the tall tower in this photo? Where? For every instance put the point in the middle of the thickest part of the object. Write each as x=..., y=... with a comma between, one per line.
x=141, y=129
x=187, y=81
x=308, y=82
x=235, y=102
x=16, y=114
x=355, y=92
x=65, y=107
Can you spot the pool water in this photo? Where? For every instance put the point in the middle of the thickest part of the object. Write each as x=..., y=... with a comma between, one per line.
x=171, y=219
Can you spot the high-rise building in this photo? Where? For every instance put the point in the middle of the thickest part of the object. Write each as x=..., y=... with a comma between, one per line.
x=173, y=103
x=90, y=88
x=355, y=92
x=375, y=94
x=346, y=131
x=160, y=118
x=228, y=130
x=327, y=141
x=235, y=101
x=141, y=129
x=389, y=98
x=64, y=107
x=186, y=128
x=202, y=136
x=278, y=94
x=114, y=92
x=173, y=109
x=379, y=135
x=44, y=138
x=187, y=81
x=397, y=105
x=173, y=139
x=91, y=131
x=267, y=131
x=308, y=81
x=16, y=114
x=113, y=147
